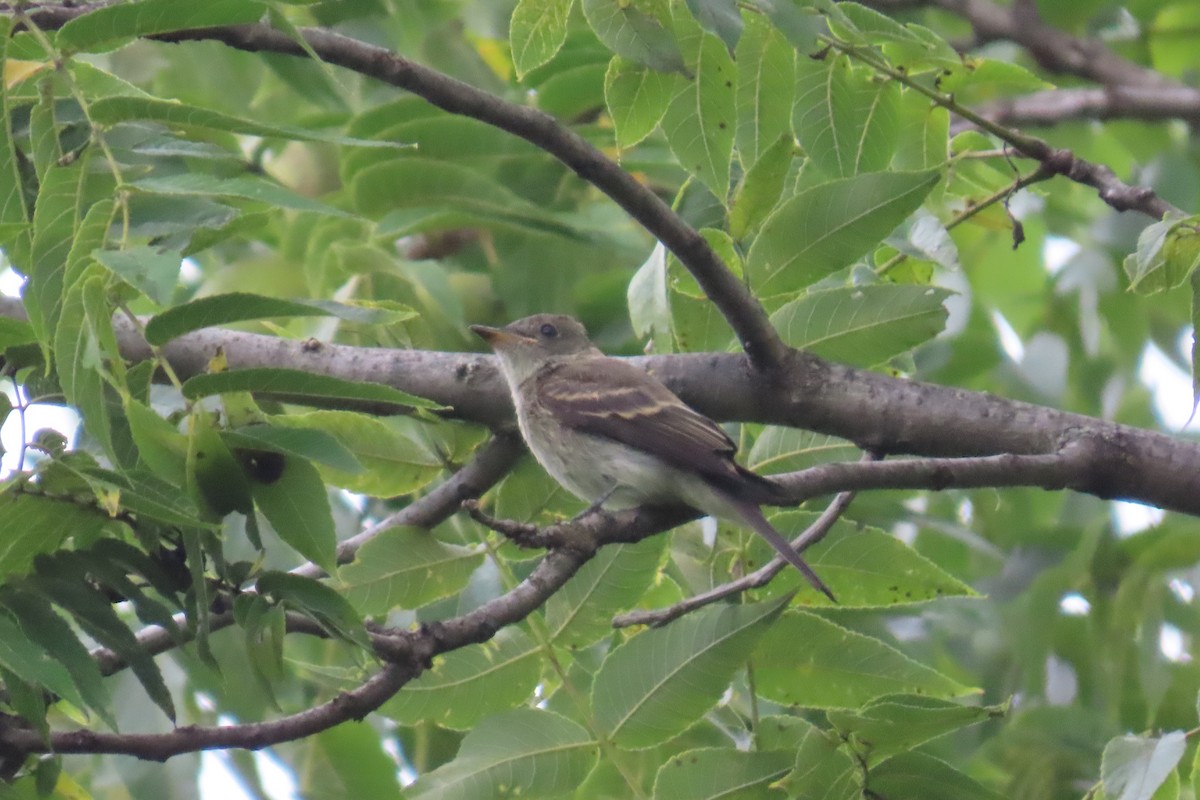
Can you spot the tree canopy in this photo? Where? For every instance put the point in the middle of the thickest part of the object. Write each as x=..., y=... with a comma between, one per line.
x=930, y=262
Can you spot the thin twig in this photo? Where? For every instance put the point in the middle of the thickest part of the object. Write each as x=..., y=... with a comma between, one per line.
x=754, y=580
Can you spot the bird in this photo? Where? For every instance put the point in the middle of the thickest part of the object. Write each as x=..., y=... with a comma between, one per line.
x=613, y=434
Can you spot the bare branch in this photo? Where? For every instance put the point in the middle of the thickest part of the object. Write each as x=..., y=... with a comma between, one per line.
x=351, y=705
x=760, y=577
x=1055, y=106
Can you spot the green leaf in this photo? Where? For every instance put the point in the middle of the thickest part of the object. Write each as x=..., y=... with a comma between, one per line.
x=162, y=448
x=977, y=80
x=14, y=333
x=98, y=619
x=780, y=449
x=35, y=524
x=824, y=770
x=862, y=25
x=721, y=18
x=866, y=567
x=146, y=494
x=222, y=309
x=863, y=325
x=766, y=83
x=317, y=600
x=897, y=723
x=215, y=480
x=838, y=668
x=406, y=568
x=1134, y=767
x=112, y=110
x=447, y=195
x=12, y=196
x=844, y=118
x=354, y=756
x=633, y=34
x=248, y=187
x=761, y=187
x=1167, y=254
x=699, y=122
x=152, y=272
x=465, y=686
x=827, y=227
x=78, y=356
x=295, y=384
x=921, y=775
x=60, y=197
x=661, y=681
x=313, y=445
x=637, y=98
x=297, y=506
x=54, y=636
x=31, y=663
x=391, y=463
x=923, y=141
x=525, y=753
x=801, y=24
x=111, y=26
x=720, y=772
x=536, y=32
x=580, y=613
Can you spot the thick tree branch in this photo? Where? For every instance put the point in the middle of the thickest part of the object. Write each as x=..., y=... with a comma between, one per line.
x=740, y=308
x=1053, y=49
x=921, y=418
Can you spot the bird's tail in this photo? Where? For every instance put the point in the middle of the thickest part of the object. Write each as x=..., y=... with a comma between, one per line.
x=753, y=517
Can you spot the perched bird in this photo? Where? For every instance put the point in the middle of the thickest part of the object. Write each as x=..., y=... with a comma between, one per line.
x=608, y=431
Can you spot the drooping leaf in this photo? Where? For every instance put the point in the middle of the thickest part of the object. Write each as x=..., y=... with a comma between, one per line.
x=110, y=26
x=837, y=667
x=296, y=384
x=406, y=568
x=712, y=772
x=297, y=505
x=662, y=680
x=766, y=83
x=223, y=309
x=827, y=227
x=700, y=120
x=468, y=685
x=317, y=600
x=112, y=110
x=526, y=751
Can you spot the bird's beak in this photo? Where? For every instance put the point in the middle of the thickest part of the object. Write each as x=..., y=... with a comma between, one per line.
x=498, y=338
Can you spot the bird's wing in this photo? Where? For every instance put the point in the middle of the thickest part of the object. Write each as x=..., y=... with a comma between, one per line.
x=623, y=403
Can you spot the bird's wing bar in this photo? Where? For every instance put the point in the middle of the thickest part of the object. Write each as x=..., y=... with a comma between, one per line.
x=623, y=403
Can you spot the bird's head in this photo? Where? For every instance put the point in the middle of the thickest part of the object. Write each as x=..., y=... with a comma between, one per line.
x=526, y=345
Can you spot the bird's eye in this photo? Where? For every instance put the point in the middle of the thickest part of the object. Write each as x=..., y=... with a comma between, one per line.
x=549, y=331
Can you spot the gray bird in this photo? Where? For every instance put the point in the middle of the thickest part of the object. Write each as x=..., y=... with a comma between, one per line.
x=610, y=432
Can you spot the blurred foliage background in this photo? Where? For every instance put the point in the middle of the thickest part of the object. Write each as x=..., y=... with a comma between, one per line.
x=823, y=152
